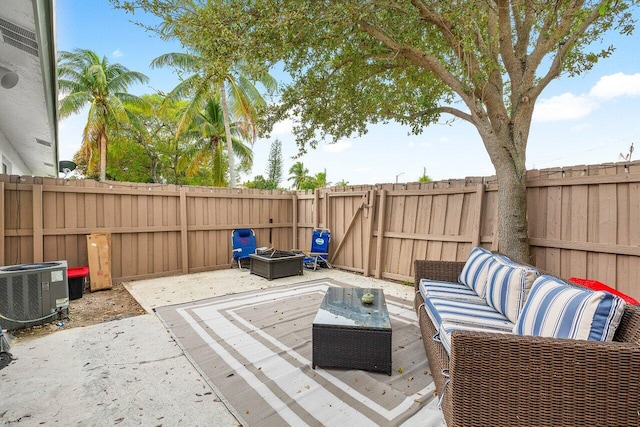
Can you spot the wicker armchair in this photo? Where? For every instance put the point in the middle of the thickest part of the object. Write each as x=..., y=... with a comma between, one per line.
x=514, y=380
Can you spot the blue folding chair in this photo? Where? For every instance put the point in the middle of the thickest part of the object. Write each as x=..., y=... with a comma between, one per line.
x=319, y=254
x=243, y=241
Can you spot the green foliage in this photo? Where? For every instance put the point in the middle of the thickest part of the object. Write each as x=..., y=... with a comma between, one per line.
x=150, y=142
x=314, y=182
x=274, y=163
x=85, y=79
x=382, y=61
x=207, y=145
x=303, y=181
x=342, y=183
x=424, y=178
x=239, y=98
x=298, y=174
x=357, y=62
x=262, y=183
x=128, y=162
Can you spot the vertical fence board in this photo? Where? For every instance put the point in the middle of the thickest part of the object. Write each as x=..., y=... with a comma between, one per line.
x=381, y=228
x=126, y=239
x=436, y=226
x=453, y=219
x=553, y=226
x=184, y=233
x=607, y=231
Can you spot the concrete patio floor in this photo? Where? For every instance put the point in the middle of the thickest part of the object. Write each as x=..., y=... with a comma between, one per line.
x=130, y=371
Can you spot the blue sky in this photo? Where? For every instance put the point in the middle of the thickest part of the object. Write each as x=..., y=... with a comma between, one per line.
x=589, y=119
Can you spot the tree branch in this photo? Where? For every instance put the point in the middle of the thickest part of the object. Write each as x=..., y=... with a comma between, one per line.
x=421, y=59
x=438, y=110
x=556, y=65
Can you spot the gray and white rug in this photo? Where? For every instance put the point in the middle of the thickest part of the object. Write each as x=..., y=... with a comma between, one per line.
x=254, y=349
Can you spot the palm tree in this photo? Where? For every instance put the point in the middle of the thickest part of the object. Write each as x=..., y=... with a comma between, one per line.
x=208, y=135
x=321, y=179
x=298, y=174
x=239, y=97
x=87, y=79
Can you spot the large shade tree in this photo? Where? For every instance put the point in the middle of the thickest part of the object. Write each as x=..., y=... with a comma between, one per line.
x=356, y=62
x=148, y=148
x=86, y=79
x=235, y=91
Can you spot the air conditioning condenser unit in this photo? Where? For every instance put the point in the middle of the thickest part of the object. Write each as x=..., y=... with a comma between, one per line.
x=33, y=294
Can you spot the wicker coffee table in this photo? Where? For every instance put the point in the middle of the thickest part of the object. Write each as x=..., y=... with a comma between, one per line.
x=349, y=334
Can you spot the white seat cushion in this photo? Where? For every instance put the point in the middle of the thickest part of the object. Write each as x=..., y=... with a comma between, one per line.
x=558, y=310
x=447, y=328
x=453, y=290
x=464, y=312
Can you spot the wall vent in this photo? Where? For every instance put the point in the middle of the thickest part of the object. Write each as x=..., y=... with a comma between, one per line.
x=43, y=142
x=19, y=37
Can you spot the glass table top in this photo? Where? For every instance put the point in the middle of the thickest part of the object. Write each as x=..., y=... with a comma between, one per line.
x=344, y=307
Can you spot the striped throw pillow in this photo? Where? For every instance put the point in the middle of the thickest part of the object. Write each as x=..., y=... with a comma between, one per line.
x=474, y=272
x=556, y=310
x=507, y=286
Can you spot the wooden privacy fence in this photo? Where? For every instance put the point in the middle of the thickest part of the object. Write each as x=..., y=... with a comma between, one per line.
x=583, y=221
x=156, y=230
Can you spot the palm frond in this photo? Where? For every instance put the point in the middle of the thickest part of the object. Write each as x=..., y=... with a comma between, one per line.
x=184, y=61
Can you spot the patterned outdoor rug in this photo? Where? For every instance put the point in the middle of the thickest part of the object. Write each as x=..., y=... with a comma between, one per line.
x=254, y=349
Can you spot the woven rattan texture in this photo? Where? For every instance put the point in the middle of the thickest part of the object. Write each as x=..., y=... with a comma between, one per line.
x=353, y=348
x=512, y=380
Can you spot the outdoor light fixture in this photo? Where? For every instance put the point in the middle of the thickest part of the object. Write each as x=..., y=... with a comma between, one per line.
x=8, y=78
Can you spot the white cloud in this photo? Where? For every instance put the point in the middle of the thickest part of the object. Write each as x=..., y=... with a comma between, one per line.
x=580, y=127
x=337, y=147
x=117, y=53
x=616, y=85
x=363, y=169
x=283, y=127
x=425, y=144
x=563, y=107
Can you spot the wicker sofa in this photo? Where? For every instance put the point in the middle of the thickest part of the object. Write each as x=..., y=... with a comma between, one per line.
x=509, y=379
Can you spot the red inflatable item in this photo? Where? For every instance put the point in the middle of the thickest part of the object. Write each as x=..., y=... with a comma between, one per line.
x=599, y=286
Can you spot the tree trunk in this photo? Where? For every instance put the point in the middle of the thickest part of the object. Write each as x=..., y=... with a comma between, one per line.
x=513, y=239
x=103, y=156
x=227, y=131
x=511, y=172
x=506, y=142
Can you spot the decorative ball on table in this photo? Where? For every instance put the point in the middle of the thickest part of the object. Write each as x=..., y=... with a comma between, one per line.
x=367, y=298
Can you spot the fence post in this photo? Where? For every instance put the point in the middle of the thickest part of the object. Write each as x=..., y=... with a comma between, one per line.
x=316, y=208
x=184, y=234
x=327, y=222
x=494, y=242
x=477, y=226
x=38, y=240
x=294, y=201
x=369, y=236
x=381, y=218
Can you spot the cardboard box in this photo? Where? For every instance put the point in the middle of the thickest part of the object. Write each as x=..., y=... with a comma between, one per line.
x=98, y=251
